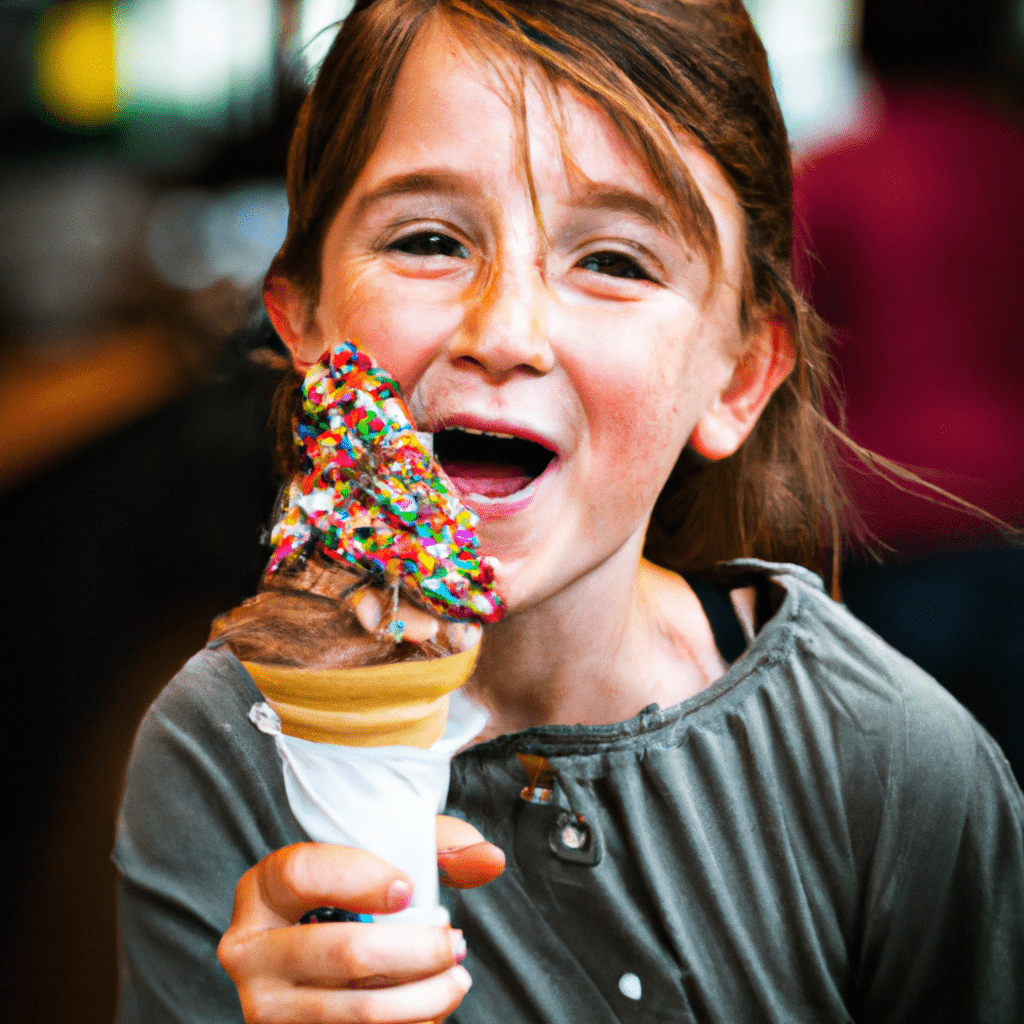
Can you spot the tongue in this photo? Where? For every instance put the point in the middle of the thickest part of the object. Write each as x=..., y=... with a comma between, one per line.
x=489, y=479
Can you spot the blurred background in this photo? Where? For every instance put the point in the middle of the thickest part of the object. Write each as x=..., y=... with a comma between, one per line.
x=141, y=200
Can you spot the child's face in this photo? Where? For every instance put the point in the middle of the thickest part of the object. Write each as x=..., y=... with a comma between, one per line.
x=605, y=337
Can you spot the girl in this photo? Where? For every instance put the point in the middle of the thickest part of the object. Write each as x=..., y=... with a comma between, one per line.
x=565, y=228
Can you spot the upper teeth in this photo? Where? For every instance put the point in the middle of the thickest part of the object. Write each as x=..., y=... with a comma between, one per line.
x=486, y=433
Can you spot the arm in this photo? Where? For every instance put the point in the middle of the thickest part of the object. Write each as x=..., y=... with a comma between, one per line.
x=944, y=939
x=204, y=800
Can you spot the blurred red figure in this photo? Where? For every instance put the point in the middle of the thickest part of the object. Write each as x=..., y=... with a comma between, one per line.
x=914, y=224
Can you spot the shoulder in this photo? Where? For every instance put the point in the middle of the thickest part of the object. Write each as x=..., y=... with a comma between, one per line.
x=845, y=661
x=889, y=726
x=199, y=725
x=213, y=685
x=199, y=764
x=933, y=817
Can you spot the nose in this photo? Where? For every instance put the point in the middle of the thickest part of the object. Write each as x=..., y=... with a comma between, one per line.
x=504, y=328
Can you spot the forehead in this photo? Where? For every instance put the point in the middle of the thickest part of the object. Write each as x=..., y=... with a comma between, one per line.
x=465, y=96
x=495, y=121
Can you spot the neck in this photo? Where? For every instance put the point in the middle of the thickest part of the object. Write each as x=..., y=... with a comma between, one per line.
x=614, y=641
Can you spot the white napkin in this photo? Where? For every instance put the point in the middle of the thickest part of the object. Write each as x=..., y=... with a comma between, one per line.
x=381, y=799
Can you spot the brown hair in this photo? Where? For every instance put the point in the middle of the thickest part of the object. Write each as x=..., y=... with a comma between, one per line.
x=658, y=69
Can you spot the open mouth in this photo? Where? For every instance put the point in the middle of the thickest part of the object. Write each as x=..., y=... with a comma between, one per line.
x=487, y=466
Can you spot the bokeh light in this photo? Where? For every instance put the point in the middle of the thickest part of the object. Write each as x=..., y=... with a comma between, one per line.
x=76, y=76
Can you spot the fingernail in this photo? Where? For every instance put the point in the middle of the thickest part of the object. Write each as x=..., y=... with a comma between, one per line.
x=367, y=610
x=458, y=943
x=399, y=896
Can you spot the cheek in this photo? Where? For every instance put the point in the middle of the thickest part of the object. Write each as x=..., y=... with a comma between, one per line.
x=642, y=435
x=400, y=328
x=642, y=405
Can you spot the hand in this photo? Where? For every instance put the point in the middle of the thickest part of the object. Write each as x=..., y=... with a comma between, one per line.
x=374, y=610
x=464, y=858
x=384, y=973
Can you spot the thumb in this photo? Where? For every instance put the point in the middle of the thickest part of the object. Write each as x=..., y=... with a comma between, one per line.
x=464, y=858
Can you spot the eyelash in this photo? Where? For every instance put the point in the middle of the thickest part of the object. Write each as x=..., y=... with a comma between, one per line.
x=442, y=244
x=607, y=258
x=608, y=263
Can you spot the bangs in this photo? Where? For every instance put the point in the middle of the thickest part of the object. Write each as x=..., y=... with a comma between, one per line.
x=521, y=46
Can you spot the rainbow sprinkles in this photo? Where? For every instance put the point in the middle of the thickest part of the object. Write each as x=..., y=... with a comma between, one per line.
x=369, y=494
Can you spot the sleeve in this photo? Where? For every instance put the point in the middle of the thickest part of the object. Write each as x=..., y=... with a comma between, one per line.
x=943, y=939
x=204, y=800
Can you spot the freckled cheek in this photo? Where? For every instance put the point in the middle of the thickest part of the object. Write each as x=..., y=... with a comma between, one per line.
x=637, y=431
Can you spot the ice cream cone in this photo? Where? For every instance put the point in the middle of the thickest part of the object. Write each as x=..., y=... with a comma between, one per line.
x=398, y=704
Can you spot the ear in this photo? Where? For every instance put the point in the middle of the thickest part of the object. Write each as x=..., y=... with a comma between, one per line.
x=289, y=313
x=768, y=361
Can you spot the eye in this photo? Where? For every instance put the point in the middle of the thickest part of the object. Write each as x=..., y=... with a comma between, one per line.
x=429, y=243
x=614, y=264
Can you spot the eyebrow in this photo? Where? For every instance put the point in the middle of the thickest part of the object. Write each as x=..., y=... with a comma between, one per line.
x=413, y=183
x=596, y=195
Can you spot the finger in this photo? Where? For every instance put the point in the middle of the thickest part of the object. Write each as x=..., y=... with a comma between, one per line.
x=470, y=866
x=453, y=832
x=295, y=879
x=420, y=625
x=368, y=608
x=429, y=999
x=464, y=859
x=372, y=609
x=378, y=955
x=460, y=636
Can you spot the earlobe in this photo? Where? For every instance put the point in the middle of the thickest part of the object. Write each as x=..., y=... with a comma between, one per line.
x=730, y=418
x=288, y=311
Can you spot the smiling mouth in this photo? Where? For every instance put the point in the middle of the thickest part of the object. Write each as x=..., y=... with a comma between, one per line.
x=487, y=466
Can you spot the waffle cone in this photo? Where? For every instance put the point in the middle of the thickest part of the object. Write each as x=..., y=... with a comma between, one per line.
x=401, y=704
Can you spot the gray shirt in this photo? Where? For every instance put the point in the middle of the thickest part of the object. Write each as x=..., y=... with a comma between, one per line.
x=822, y=835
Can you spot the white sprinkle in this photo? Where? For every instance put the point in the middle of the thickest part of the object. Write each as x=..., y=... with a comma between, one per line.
x=630, y=987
